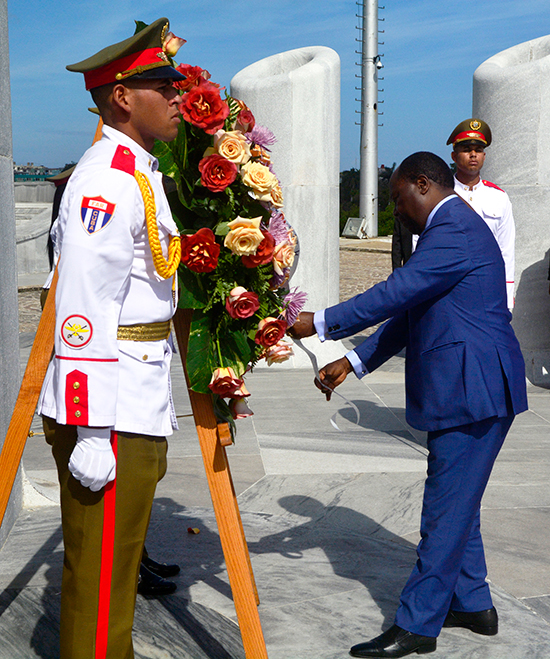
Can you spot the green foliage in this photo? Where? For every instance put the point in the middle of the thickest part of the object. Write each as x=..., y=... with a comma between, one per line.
x=349, y=199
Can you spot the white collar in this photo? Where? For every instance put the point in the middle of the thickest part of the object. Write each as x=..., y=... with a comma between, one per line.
x=436, y=208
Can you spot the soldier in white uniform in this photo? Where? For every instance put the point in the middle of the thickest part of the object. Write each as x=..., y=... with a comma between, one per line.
x=469, y=140
x=106, y=398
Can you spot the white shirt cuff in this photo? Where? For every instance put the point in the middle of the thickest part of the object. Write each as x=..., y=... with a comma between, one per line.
x=359, y=368
x=320, y=325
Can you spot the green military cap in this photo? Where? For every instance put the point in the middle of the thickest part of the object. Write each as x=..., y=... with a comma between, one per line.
x=471, y=131
x=144, y=55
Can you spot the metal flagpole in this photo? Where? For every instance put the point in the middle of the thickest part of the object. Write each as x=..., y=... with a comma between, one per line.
x=370, y=65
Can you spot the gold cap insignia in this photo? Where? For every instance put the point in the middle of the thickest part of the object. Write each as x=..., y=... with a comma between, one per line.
x=475, y=124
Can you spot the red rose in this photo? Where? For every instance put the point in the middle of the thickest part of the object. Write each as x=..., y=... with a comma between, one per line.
x=203, y=107
x=194, y=76
x=217, y=172
x=225, y=383
x=241, y=303
x=200, y=251
x=245, y=121
x=270, y=331
x=264, y=253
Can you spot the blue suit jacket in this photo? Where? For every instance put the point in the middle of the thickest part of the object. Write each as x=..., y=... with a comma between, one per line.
x=447, y=306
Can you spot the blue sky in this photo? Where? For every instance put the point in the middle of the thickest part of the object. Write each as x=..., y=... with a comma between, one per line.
x=431, y=50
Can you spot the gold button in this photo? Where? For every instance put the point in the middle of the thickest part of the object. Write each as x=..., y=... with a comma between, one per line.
x=76, y=399
x=145, y=358
x=78, y=414
x=126, y=152
x=76, y=385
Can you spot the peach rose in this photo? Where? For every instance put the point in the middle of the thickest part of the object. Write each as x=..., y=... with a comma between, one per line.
x=241, y=303
x=172, y=44
x=270, y=331
x=232, y=145
x=259, y=178
x=283, y=257
x=225, y=382
x=277, y=196
x=244, y=236
x=239, y=408
x=278, y=353
x=260, y=154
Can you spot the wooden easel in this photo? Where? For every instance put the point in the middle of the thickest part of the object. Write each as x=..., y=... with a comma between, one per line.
x=213, y=439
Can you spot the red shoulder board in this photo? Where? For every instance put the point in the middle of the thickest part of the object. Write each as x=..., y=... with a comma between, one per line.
x=492, y=185
x=124, y=160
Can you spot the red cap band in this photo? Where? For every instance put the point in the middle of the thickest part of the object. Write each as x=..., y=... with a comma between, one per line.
x=108, y=73
x=470, y=135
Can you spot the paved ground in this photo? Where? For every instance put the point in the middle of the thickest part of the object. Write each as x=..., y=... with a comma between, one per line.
x=331, y=517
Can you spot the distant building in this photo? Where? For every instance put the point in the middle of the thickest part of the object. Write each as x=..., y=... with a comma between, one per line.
x=32, y=172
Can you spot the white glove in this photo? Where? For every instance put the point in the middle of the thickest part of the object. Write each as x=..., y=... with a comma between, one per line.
x=92, y=461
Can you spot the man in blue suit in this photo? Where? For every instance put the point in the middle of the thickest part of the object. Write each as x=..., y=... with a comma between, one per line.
x=465, y=382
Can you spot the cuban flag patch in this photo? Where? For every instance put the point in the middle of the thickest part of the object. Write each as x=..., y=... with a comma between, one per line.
x=96, y=213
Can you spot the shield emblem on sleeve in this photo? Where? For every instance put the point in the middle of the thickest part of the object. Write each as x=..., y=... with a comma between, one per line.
x=96, y=213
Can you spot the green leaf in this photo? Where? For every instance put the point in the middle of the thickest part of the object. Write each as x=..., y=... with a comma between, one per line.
x=193, y=294
x=236, y=350
x=222, y=229
x=201, y=360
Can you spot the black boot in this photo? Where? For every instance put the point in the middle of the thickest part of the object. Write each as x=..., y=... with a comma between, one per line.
x=151, y=585
x=161, y=569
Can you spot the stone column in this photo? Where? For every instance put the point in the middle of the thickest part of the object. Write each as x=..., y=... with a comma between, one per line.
x=297, y=96
x=512, y=94
x=9, y=330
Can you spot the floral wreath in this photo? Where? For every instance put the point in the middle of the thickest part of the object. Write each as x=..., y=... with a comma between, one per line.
x=237, y=247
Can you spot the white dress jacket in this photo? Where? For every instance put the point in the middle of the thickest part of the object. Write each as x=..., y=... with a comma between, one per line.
x=107, y=278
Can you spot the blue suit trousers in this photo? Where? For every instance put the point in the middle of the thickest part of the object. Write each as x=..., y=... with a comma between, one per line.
x=450, y=572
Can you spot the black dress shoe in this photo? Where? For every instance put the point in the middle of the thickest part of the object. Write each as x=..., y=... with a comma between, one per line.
x=151, y=585
x=161, y=569
x=479, y=622
x=395, y=642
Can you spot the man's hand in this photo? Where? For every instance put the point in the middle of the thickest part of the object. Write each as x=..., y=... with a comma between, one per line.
x=332, y=375
x=92, y=461
x=303, y=326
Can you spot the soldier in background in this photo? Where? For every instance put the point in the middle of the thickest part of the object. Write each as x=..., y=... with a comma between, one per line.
x=469, y=140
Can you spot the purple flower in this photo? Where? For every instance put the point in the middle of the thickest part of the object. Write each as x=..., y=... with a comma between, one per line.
x=294, y=302
x=278, y=227
x=261, y=136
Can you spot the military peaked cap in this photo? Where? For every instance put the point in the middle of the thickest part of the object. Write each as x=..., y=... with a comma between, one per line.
x=141, y=56
x=474, y=131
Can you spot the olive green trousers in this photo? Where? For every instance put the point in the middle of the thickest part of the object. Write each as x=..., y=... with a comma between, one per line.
x=103, y=535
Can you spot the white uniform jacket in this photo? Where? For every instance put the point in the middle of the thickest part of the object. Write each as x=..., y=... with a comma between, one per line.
x=494, y=206
x=107, y=278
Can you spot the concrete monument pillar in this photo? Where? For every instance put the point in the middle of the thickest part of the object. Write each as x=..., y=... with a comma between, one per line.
x=296, y=95
x=9, y=330
x=512, y=94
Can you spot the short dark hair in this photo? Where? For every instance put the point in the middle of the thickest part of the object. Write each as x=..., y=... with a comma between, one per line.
x=429, y=165
x=101, y=94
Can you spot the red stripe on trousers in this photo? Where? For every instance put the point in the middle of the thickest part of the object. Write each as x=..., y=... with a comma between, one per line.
x=106, y=570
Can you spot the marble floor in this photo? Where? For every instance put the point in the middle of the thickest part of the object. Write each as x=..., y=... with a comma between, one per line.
x=331, y=516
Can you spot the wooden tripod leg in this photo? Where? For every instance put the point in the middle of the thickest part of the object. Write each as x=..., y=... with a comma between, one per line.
x=224, y=435
x=225, y=506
